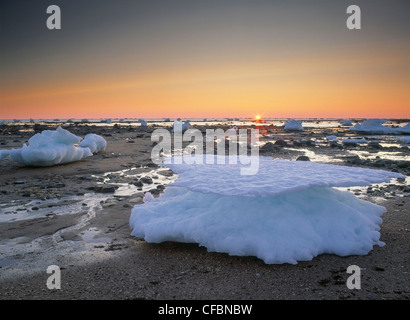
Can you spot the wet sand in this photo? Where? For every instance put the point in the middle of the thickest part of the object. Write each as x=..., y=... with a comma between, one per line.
x=62, y=216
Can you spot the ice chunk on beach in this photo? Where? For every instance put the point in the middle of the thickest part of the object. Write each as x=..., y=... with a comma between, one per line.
x=4, y=154
x=94, y=142
x=287, y=213
x=284, y=228
x=293, y=125
x=373, y=126
x=51, y=147
x=142, y=122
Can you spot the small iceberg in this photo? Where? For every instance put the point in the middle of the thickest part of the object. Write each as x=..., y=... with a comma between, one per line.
x=373, y=126
x=53, y=147
x=295, y=125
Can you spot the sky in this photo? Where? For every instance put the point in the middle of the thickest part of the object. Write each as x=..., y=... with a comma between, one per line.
x=214, y=58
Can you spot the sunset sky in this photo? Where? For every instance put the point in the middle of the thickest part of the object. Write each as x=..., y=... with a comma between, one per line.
x=204, y=58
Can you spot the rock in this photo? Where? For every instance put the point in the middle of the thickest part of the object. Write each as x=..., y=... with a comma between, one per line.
x=149, y=164
x=20, y=182
x=109, y=203
x=374, y=145
x=310, y=143
x=281, y=143
x=105, y=188
x=355, y=160
x=334, y=144
x=146, y=180
x=303, y=158
x=166, y=173
x=379, y=163
x=154, y=191
x=138, y=183
x=297, y=143
x=268, y=147
x=403, y=164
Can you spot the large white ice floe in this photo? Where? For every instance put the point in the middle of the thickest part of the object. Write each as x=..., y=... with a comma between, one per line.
x=286, y=213
x=375, y=126
x=53, y=147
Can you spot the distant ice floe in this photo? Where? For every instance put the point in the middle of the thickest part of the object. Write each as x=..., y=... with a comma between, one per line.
x=375, y=126
x=53, y=147
x=287, y=213
x=403, y=139
x=293, y=125
x=345, y=122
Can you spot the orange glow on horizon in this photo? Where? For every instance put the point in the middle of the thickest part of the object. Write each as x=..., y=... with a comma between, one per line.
x=312, y=87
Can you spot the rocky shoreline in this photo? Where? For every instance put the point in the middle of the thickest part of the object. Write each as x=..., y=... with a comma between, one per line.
x=76, y=216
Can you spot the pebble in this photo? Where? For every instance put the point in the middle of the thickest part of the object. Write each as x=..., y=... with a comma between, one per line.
x=303, y=158
x=147, y=180
x=281, y=143
x=105, y=189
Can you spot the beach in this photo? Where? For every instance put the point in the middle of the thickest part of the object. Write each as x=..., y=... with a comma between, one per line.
x=76, y=216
